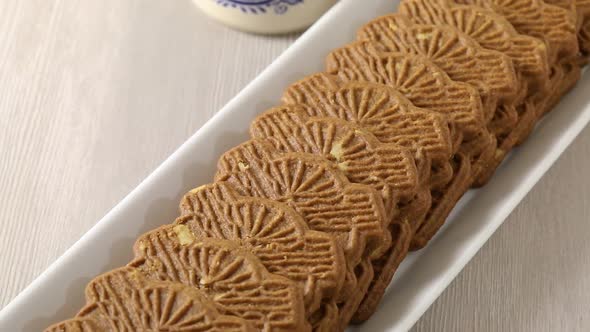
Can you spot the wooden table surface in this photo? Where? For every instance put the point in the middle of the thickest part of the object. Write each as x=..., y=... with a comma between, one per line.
x=95, y=94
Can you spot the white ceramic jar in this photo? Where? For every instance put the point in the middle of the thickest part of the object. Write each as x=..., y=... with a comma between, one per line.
x=266, y=16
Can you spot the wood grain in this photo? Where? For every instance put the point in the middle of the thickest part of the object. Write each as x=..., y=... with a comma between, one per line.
x=95, y=94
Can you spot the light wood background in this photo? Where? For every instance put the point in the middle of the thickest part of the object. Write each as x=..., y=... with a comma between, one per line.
x=95, y=94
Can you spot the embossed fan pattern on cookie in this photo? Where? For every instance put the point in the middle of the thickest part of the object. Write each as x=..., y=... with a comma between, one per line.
x=426, y=86
x=535, y=18
x=123, y=300
x=352, y=153
x=492, y=73
x=322, y=195
x=272, y=231
x=377, y=109
x=491, y=31
x=388, y=168
x=230, y=276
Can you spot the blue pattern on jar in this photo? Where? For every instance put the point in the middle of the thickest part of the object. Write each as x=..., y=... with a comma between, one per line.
x=260, y=6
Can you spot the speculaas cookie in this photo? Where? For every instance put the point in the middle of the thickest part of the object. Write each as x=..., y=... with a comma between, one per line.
x=494, y=32
x=553, y=25
x=383, y=112
x=363, y=159
x=231, y=277
x=272, y=231
x=442, y=204
x=388, y=168
x=322, y=195
x=358, y=104
x=328, y=202
x=124, y=300
x=256, y=154
x=391, y=118
x=464, y=60
x=535, y=18
x=365, y=276
x=426, y=86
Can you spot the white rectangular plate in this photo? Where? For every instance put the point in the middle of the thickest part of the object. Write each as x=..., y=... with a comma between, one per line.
x=58, y=292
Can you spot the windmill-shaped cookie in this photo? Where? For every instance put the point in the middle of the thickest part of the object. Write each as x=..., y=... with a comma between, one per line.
x=321, y=194
x=553, y=25
x=427, y=87
x=233, y=278
x=464, y=60
x=535, y=18
x=391, y=118
x=123, y=300
x=383, y=112
x=386, y=167
x=494, y=32
x=272, y=231
x=354, y=214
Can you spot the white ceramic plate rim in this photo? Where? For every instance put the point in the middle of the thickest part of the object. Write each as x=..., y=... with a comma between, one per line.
x=58, y=292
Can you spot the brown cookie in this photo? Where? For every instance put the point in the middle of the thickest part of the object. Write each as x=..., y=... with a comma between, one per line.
x=492, y=73
x=124, y=300
x=553, y=25
x=257, y=153
x=464, y=60
x=272, y=231
x=233, y=278
x=426, y=86
x=320, y=193
x=383, y=112
x=365, y=275
x=494, y=32
x=579, y=10
x=392, y=119
x=388, y=168
x=74, y=325
x=353, y=102
x=535, y=18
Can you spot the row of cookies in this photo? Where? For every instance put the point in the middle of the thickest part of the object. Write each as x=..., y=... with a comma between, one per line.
x=520, y=56
x=307, y=222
